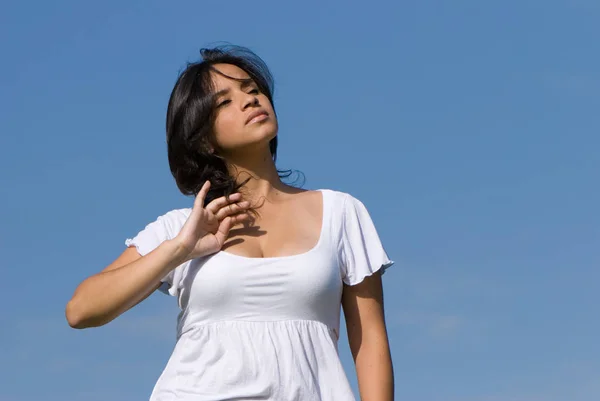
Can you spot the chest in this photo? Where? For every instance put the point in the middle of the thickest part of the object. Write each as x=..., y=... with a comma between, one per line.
x=289, y=271
x=283, y=230
x=227, y=286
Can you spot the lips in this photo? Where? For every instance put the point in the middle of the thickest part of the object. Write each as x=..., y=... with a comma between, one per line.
x=256, y=116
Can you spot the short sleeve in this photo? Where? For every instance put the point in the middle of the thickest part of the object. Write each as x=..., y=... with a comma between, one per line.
x=163, y=228
x=362, y=253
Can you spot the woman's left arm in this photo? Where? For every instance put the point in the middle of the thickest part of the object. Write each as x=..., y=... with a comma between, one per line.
x=367, y=335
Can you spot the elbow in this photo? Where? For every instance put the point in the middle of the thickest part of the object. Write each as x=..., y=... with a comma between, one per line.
x=74, y=315
x=77, y=317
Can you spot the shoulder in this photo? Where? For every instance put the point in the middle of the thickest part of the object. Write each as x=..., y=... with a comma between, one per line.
x=173, y=220
x=360, y=250
x=342, y=200
x=164, y=227
x=176, y=214
x=346, y=211
x=167, y=225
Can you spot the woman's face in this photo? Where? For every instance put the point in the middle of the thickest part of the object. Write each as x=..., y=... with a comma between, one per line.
x=245, y=118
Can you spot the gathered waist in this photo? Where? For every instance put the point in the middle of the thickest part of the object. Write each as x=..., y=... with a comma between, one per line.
x=259, y=326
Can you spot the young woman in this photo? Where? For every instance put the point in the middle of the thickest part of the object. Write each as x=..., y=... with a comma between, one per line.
x=259, y=268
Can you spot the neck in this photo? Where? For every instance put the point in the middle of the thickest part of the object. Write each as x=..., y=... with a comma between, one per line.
x=259, y=167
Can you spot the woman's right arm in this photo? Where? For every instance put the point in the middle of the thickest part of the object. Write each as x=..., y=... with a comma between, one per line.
x=127, y=281
x=131, y=278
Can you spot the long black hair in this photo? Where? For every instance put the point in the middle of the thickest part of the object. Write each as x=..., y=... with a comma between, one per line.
x=191, y=116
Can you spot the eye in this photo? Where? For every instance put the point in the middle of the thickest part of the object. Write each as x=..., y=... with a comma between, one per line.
x=223, y=103
x=254, y=91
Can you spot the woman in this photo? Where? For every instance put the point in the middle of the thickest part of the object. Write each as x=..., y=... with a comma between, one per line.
x=259, y=268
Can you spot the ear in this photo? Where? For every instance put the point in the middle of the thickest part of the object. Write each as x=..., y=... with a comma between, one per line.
x=209, y=147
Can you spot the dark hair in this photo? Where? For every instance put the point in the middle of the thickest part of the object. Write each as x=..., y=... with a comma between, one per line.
x=191, y=116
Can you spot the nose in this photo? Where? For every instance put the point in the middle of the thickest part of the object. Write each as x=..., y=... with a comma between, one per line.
x=250, y=100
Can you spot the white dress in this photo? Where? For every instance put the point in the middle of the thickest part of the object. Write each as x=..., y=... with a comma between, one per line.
x=265, y=328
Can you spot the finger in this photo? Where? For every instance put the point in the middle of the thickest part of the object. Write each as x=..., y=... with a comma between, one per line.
x=240, y=218
x=223, y=230
x=199, y=202
x=218, y=203
x=232, y=209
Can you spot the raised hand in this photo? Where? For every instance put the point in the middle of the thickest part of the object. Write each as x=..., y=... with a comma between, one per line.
x=207, y=228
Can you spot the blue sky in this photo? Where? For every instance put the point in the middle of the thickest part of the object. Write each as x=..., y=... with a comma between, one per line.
x=468, y=128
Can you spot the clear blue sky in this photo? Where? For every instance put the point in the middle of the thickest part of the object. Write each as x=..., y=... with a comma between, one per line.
x=470, y=129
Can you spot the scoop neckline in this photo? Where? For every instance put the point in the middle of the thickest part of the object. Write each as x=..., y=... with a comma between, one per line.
x=324, y=220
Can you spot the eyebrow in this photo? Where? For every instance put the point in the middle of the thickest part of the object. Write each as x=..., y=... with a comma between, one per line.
x=244, y=83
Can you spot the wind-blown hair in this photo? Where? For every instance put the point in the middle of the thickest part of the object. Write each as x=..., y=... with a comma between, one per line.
x=191, y=116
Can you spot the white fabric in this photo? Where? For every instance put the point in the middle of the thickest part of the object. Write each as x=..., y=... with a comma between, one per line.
x=265, y=328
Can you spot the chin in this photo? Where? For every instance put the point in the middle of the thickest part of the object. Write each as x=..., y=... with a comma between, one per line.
x=272, y=134
x=266, y=131
x=256, y=135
